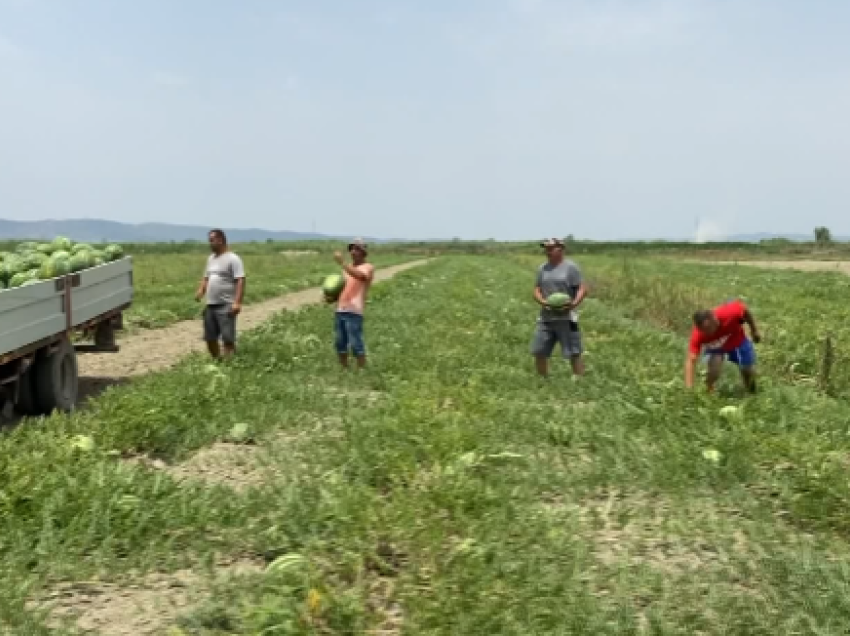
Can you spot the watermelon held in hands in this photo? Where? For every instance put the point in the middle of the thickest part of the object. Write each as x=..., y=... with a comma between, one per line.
x=333, y=285
x=558, y=300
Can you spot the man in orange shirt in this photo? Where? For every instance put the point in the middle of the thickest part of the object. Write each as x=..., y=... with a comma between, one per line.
x=348, y=326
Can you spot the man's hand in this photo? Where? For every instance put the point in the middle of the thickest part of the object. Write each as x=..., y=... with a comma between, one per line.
x=235, y=308
x=338, y=257
x=198, y=296
x=756, y=336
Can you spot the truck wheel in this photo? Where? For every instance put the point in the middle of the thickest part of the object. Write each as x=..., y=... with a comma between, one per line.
x=26, y=404
x=56, y=379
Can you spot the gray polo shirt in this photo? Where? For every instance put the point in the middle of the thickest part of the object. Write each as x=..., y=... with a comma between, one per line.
x=222, y=272
x=565, y=278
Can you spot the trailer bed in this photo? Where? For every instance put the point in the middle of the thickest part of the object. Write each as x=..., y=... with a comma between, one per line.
x=41, y=311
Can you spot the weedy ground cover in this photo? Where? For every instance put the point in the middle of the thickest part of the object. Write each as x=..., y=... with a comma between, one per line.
x=446, y=490
x=165, y=283
x=796, y=310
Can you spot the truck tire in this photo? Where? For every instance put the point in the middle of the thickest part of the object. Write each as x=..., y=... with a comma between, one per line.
x=26, y=404
x=56, y=380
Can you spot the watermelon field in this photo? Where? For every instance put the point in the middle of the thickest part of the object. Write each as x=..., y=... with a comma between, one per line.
x=446, y=490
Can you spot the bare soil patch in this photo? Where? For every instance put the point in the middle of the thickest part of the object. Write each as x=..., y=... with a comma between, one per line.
x=142, y=608
x=161, y=348
x=236, y=466
x=637, y=530
x=842, y=267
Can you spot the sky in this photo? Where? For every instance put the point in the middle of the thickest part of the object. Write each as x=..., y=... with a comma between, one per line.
x=505, y=119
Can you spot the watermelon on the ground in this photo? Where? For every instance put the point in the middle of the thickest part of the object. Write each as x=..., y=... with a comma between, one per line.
x=558, y=300
x=31, y=281
x=113, y=252
x=5, y=255
x=26, y=246
x=97, y=259
x=333, y=285
x=44, y=248
x=61, y=243
x=61, y=254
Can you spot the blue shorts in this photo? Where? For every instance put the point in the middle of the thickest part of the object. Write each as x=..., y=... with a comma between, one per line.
x=348, y=329
x=743, y=356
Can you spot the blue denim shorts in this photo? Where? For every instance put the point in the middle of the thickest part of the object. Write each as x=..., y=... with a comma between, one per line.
x=348, y=329
x=743, y=356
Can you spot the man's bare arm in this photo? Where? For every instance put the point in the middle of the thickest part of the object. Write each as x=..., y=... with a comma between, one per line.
x=240, y=290
x=582, y=292
x=202, y=288
x=357, y=273
x=690, y=364
x=538, y=296
x=751, y=321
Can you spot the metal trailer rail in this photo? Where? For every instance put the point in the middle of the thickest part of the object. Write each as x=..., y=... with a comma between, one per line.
x=38, y=322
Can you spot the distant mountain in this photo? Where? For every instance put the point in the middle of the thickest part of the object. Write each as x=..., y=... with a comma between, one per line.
x=96, y=230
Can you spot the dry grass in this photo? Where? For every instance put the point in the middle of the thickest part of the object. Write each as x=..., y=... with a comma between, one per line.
x=144, y=607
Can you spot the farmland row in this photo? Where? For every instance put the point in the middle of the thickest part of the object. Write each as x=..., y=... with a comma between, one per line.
x=796, y=310
x=447, y=490
x=165, y=284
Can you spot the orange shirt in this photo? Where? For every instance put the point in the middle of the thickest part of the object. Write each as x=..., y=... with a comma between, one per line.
x=353, y=296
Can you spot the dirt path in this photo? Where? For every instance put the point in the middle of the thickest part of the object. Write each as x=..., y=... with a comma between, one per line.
x=842, y=267
x=157, y=349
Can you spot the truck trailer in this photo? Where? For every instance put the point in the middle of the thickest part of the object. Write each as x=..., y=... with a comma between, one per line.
x=43, y=326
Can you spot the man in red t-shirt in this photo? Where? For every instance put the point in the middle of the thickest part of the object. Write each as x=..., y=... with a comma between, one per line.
x=721, y=333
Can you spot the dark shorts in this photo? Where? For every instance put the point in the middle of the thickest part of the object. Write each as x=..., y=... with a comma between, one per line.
x=348, y=332
x=547, y=334
x=219, y=322
x=744, y=356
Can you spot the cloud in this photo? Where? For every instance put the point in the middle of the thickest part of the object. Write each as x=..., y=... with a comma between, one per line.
x=165, y=78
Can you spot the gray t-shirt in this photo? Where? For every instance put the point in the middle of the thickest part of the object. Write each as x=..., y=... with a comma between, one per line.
x=565, y=278
x=222, y=272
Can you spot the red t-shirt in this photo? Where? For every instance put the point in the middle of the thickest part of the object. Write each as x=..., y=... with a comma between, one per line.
x=729, y=335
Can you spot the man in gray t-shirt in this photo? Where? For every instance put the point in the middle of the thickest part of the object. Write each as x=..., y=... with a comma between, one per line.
x=558, y=326
x=223, y=287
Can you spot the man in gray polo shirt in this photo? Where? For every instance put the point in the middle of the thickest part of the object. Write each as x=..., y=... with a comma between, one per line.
x=558, y=275
x=224, y=286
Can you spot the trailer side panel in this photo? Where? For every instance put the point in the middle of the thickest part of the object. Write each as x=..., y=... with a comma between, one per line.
x=101, y=290
x=29, y=314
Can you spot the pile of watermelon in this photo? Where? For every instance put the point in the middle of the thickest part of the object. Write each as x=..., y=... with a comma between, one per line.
x=34, y=262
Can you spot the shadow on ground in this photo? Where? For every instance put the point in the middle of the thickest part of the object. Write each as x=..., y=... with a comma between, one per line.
x=88, y=389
